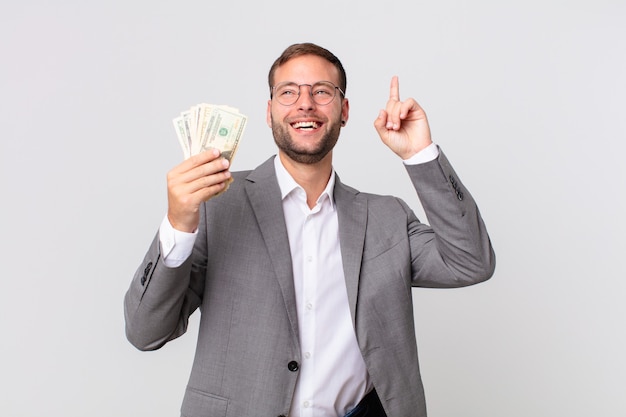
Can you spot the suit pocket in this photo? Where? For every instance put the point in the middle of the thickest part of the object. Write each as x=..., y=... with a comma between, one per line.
x=200, y=404
x=379, y=247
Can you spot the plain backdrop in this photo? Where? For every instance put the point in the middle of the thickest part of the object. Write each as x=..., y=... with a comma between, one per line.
x=527, y=99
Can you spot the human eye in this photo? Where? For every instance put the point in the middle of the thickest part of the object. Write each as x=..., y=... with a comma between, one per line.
x=323, y=90
x=287, y=90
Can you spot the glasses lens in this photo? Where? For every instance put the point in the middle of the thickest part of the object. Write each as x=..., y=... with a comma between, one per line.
x=287, y=93
x=322, y=92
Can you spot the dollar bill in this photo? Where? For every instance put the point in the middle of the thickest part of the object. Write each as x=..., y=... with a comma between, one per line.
x=183, y=137
x=206, y=126
x=224, y=131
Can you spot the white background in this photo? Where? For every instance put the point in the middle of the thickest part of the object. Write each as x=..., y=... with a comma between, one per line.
x=527, y=99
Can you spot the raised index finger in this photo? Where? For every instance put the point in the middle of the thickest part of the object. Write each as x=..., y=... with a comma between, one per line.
x=394, y=90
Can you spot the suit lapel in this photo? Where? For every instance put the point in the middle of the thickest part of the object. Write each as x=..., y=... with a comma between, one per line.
x=265, y=197
x=352, y=216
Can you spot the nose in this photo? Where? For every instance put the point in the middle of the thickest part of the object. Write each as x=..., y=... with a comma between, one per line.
x=305, y=99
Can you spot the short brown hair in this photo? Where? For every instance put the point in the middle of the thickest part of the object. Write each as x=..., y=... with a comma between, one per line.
x=300, y=49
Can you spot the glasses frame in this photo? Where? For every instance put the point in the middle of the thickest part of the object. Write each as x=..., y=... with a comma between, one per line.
x=273, y=88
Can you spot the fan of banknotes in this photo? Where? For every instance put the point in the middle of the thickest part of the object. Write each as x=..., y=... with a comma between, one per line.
x=206, y=126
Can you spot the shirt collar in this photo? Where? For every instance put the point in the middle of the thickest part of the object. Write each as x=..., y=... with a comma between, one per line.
x=287, y=184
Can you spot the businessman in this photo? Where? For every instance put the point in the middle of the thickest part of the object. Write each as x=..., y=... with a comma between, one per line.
x=304, y=283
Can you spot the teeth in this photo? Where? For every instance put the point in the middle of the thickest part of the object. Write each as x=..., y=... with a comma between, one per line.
x=305, y=125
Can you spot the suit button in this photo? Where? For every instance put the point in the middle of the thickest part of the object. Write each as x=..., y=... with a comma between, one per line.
x=145, y=273
x=459, y=195
x=293, y=366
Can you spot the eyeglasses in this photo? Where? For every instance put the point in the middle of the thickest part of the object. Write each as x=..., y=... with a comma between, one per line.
x=322, y=92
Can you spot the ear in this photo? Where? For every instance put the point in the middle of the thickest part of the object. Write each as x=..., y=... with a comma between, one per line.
x=345, y=111
x=268, y=116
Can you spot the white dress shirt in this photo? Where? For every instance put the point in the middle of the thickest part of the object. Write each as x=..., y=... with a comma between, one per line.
x=333, y=377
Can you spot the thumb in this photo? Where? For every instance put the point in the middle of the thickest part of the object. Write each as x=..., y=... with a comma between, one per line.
x=380, y=124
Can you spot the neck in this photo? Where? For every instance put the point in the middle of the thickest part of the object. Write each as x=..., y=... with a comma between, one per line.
x=313, y=178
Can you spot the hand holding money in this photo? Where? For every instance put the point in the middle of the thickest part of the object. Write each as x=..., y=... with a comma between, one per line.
x=192, y=182
x=207, y=126
x=209, y=136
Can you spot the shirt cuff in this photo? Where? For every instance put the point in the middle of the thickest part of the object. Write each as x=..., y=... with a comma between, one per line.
x=176, y=246
x=429, y=153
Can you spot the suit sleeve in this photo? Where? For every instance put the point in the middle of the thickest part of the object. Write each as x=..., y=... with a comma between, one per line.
x=455, y=251
x=160, y=300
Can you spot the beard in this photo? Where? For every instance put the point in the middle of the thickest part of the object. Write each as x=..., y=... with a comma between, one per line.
x=305, y=154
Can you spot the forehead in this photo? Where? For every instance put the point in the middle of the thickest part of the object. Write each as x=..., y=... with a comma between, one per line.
x=306, y=69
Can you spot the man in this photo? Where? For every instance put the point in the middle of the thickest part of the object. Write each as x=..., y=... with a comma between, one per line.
x=304, y=283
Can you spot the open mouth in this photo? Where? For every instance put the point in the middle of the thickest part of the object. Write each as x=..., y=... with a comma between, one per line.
x=306, y=126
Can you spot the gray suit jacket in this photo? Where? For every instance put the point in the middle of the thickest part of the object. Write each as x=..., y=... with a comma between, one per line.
x=240, y=276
